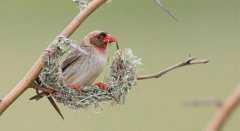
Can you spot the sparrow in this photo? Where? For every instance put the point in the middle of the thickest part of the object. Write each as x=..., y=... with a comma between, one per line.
x=87, y=60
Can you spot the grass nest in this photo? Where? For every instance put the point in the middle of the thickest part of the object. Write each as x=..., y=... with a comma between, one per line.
x=122, y=77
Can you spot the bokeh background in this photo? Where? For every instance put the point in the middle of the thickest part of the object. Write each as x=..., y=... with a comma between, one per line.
x=206, y=29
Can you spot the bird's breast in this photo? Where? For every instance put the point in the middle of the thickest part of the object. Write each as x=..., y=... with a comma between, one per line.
x=85, y=71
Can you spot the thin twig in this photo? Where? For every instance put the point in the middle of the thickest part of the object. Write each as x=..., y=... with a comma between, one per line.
x=36, y=69
x=166, y=10
x=53, y=103
x=207, y=102
x=188, y=61
x=224, y=112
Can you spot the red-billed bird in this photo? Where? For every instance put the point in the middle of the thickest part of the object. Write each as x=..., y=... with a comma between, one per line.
x=86, y=62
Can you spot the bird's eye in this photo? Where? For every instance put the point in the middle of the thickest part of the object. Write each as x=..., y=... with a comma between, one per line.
x=102, y=35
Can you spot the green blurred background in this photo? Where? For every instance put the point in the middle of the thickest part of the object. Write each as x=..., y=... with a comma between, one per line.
x=207, y=29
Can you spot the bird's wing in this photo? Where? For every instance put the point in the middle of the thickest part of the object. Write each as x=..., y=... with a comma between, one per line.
x=77, y=53
x=82, y=66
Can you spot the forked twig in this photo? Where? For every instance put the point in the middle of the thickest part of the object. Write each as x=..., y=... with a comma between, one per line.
x=187, y=62
x=53, y=103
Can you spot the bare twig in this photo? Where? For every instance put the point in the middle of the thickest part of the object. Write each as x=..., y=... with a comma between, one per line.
x=166, y=10
x=207, y=102
x=36, y=69
x=225, y=111
x=188, y=61
x=53, y=103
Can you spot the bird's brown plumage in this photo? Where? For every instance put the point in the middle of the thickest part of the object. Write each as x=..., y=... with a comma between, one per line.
x=86, y=62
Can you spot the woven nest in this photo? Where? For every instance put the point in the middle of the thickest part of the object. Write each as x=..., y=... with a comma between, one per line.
x=82, y=3
x=120, y=80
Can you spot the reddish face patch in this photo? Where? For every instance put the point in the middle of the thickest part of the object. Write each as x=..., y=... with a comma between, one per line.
x=101, y=40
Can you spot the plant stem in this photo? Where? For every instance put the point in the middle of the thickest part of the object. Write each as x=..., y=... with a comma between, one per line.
x=225, y=111
x=188, y=61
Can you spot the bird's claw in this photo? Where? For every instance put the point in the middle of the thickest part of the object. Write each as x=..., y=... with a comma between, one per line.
x=102, y=86
x=75, y=87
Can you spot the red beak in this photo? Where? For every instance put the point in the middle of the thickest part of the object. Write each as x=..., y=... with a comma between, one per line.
x=109, y=39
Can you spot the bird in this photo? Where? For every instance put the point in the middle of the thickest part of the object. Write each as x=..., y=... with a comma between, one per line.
x=87, y=60
x=82, y=66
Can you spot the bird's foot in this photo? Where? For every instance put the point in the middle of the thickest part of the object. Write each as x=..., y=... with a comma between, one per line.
x=75, y=87
x=101, y=86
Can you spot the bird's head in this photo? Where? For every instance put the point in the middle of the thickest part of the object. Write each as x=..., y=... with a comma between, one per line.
x=99, y=39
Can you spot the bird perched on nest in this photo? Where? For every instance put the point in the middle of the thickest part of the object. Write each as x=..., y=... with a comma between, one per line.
x=83, y=65
x=86, y=62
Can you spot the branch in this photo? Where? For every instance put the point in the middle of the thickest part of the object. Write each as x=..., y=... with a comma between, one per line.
x=187, y=62
x=36, y=69
x=81, y=17
x=225, y=111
